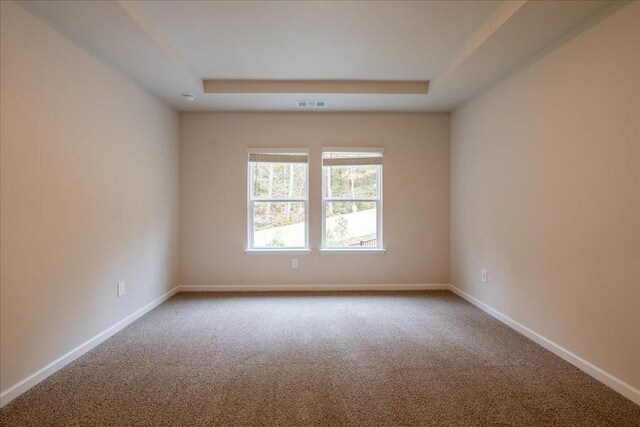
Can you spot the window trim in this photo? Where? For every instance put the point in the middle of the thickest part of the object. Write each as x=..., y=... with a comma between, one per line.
x=250, y=247
x=353, y=251
x=334, y=250
x=277, y=251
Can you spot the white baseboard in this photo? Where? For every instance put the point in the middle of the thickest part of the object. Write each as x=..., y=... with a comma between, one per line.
x=599, y=374
x=17, y=389
x=307, y=288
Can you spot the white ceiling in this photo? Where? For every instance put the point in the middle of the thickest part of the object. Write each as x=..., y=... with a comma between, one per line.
x=317, y=40
x=462, y=47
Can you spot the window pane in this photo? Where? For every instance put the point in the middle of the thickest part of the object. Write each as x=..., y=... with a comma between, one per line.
x=278, y=224
x=278, y=180
x=351, y=182
x=351, y=224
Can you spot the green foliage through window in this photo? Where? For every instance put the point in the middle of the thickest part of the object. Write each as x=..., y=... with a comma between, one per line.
x=351, y=182
x=278, y=180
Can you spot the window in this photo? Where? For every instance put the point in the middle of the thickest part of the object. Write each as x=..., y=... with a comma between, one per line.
x=352, y=199
x=278, y=200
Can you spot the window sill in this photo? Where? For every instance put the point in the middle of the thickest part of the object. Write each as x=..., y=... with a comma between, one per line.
x=358, y=251
x=293, y=251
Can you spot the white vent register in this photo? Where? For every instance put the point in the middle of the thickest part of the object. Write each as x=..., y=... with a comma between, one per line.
x=311, y=104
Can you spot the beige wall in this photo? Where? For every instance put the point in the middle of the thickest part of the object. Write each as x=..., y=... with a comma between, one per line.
x=89, y=196
x=545, y=194
x=213, y=197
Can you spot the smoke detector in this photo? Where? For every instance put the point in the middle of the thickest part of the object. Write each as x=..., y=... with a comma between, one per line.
x=189, y=97
x=311, y=104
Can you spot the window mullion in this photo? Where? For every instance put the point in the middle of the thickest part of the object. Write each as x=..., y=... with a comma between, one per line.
x=351, y=200
x=278, y=200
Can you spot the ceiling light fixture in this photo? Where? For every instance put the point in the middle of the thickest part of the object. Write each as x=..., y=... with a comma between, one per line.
x=189, y=97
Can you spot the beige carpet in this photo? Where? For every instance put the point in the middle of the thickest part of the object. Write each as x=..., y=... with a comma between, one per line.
x=370, y=359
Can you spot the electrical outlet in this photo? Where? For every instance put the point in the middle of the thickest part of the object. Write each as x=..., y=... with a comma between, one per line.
x=484, y=275
x=294, y=263
x=122, y=288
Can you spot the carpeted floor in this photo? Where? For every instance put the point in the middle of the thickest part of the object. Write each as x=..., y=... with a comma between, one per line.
x=369, y=359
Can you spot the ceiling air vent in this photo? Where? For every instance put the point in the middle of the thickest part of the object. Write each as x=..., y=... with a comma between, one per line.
x=312, y=104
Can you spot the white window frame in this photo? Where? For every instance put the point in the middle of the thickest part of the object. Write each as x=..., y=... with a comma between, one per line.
x=250, y=247
x=379, y=248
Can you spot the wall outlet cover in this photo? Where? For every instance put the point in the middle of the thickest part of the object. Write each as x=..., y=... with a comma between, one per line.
x=484, y=275
x=122, y=288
